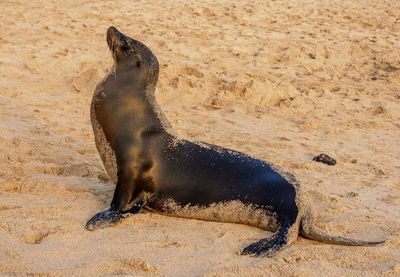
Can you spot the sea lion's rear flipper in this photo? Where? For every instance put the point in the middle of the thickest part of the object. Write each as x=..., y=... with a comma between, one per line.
x=104, y=219
x=309, y=230
x=270, y=246
x=265, y=247
x=319, y=235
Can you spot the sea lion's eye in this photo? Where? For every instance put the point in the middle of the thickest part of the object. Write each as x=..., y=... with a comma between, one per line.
x=138, y=64
x=125, y=50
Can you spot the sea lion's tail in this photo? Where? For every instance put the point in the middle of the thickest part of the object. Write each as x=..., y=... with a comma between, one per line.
x=309, y=230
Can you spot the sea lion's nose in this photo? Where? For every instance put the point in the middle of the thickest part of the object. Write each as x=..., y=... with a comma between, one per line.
x=114, y=34
x=112, y=31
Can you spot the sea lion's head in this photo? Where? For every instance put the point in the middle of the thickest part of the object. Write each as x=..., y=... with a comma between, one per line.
x=132, y=58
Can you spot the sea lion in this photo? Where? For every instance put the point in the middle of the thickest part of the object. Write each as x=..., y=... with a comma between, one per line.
x=154, y=169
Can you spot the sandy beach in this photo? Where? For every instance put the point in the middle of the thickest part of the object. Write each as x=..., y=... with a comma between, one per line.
x=283, y=81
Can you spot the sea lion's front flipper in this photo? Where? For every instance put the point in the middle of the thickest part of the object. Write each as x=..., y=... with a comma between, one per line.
x=110, y=217
x=121, y=205
x=104, y=219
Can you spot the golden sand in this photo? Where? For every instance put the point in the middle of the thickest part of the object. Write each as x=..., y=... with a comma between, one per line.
x=281, y=80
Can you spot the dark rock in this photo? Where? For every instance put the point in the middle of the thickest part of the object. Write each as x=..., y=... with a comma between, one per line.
x=324, y=158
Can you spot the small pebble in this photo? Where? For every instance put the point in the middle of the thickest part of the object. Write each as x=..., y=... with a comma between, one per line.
x=324, y=158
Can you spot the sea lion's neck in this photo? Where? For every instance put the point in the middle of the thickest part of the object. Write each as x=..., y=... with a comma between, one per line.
x=157, y=111
x=142, y=91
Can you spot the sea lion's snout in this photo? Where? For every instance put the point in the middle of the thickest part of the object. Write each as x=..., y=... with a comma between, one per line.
x=115, y=39
x=113, y=33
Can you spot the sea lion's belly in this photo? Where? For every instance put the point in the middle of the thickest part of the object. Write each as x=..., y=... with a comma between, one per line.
x=233, y=211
